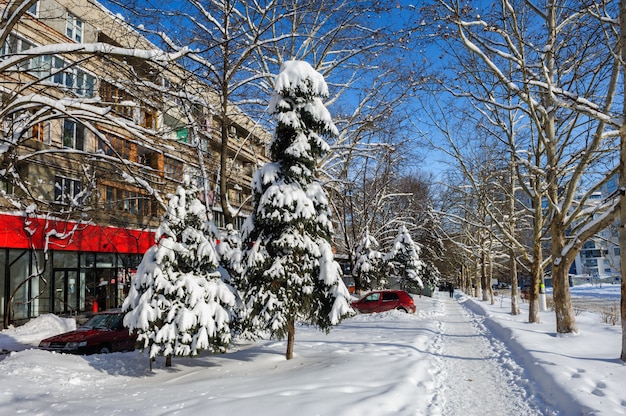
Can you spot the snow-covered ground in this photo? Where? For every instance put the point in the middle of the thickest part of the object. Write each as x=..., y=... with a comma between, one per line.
x=454, y=356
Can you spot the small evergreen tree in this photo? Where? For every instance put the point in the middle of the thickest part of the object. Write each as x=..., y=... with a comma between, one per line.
x=370, y=264
x=231, y=255
x=430, y=277
x=291, y=272
x=404, y=261
x=178, y=302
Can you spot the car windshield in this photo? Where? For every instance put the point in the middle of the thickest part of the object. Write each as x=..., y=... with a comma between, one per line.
x=104, y=321
x=370, y=297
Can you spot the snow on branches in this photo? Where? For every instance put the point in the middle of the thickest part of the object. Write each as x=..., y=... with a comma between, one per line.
x=404, y=260
x=291, y=271
x=178, y=302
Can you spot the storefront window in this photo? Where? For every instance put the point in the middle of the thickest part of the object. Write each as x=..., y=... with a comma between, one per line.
x=65, y=259
x=38, y=286
x=19, y=271
x=3, y=262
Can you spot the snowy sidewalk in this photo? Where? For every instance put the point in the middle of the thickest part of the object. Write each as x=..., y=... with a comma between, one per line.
x=453, y=357
x=476, y=375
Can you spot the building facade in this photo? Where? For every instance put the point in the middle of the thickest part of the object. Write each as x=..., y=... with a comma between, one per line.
x=92, y=143
x=599, y=259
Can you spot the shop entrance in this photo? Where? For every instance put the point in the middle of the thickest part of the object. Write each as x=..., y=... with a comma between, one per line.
x=65, y=286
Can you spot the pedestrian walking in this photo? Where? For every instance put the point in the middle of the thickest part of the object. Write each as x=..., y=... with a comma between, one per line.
x=451, y=289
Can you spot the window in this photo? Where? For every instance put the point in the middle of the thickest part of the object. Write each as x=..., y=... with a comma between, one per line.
x=128, y=201
x=51, y=68
x=67, y=190
x=6, y=187
x=74, y=28
x=148, y=118
x=589, y=244
x=83, y=83
x=73, y=135
x=14, y=45
x=173, y=169
x=182, y=135
x=33, y=9
x=374, y=297
x=72, y=78
x=117, y=144
x=388, y=296
x=41, y=132
x=122, y=103
x=616, y=251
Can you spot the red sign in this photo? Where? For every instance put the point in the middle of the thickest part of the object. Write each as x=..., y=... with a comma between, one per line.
x=40, y=233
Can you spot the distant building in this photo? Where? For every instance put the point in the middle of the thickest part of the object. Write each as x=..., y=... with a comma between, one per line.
x=600, y=255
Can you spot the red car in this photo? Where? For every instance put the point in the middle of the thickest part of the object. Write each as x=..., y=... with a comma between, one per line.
x=385, y=300
x=103, y=333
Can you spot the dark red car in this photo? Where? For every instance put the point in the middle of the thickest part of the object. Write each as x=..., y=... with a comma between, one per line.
x=103, y=333
x=385, y=300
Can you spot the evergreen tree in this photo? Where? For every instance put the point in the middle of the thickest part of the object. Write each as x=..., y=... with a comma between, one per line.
x=178, y=302
x=229, y=250
x=404, y=261
x=430, y=277
x=369, y=265
x=291, y=272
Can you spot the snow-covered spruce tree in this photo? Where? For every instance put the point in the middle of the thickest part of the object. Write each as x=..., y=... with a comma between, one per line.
x=404, y=261
x=369, y=268
x=291, y=273
x=178, y=302
x=430, y=276
x=231, y=255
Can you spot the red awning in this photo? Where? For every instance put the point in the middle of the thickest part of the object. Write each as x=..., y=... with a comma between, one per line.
x=18, y=231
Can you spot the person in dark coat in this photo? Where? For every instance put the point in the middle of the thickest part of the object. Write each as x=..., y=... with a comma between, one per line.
x=451, y=289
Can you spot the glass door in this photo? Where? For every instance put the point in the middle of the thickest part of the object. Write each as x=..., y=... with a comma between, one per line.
x=65, y=287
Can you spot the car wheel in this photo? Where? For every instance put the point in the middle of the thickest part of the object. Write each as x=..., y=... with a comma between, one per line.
x=105, y=349
x=401, y=309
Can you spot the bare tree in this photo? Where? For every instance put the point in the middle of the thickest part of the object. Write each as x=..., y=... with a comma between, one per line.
x=527, y=51
x=237, y=45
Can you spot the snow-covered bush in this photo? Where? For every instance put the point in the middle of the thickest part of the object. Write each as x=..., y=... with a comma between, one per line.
x=178, y=302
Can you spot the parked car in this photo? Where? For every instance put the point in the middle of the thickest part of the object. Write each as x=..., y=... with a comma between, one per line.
x=385, y=300
x=103, y=333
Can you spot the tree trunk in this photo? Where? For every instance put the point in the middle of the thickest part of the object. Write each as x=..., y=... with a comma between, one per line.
x=622, y=184
x=291, y=334
x=565, y=320
x=168, y=360
x=535, y=275
x=224, y=156
x=483, y=277
x=515, y=309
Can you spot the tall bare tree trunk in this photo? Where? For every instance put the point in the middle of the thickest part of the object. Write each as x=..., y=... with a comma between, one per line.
x=515, y=309
x=224, y=173
x=622, y=180
x=565, y=320
x=535, y=275
x=622, y=184
x=291, y=335
x=483, y=276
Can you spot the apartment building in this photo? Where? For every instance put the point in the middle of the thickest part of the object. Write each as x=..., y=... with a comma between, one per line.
x=91, y=144
x=599, y=259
